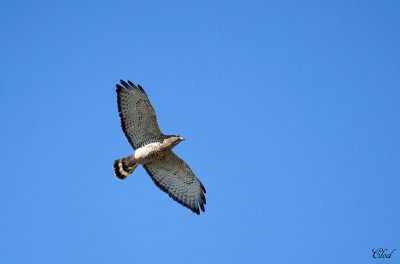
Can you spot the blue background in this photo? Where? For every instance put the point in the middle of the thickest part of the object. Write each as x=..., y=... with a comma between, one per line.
x=290, y=110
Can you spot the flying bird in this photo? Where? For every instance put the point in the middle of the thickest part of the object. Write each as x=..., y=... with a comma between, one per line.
x=153, y=150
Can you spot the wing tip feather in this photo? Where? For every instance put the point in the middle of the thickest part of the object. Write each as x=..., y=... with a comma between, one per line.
x=202, y=187
x=141, y=89
x=202, y=207
x=181, y=202
x=130, y=85
x=127, y=86
x=119, y=87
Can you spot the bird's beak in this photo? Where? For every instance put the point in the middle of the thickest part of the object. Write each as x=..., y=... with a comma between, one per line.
x=181, y=138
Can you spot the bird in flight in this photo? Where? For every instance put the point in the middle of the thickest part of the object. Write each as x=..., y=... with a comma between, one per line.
x=153, y=150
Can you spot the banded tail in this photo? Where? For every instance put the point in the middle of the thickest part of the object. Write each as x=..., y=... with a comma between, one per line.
x=121, y=170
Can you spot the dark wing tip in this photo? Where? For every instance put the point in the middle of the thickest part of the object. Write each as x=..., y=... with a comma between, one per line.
x=202, y=187
x=125, y=84
x=119, y=87
x=141, y=89
x=203, y=198
x=131, y=85
x=202, y=207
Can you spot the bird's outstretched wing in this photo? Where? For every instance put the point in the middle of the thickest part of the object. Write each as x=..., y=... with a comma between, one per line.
x=138, y=119
x=172, y=175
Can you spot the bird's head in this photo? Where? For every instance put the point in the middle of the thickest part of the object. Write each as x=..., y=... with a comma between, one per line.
x=175, y=140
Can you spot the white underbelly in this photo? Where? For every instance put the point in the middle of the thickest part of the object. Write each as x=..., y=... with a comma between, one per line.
x=148, y=153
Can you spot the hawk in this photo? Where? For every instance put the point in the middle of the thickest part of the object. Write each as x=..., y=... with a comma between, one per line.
x=153, y=150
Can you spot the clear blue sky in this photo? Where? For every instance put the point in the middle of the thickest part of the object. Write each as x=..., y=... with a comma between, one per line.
x=290, y=110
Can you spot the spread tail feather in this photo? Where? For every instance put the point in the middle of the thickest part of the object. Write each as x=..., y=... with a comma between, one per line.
x=121, y=170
